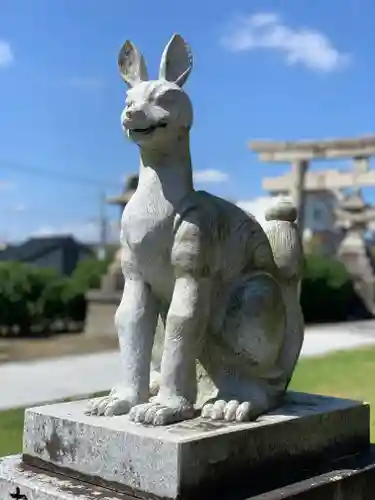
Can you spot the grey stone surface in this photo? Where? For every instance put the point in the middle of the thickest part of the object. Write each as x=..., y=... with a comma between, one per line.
x=352, y=478
x=349, y=479
x=283, y=151
x=41, y=485
x=179, y=459
x=354, y=215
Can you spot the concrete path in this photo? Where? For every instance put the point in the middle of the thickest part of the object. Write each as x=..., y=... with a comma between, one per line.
x=25, y=384
x=323, y=339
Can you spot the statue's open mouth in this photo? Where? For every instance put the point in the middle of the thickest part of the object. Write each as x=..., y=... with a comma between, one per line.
x=148, y=130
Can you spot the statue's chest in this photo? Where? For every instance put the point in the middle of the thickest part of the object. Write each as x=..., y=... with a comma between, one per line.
x=147, y=230
x=147, y=221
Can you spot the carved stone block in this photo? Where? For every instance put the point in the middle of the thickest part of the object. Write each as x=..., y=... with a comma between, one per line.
x=181, y=460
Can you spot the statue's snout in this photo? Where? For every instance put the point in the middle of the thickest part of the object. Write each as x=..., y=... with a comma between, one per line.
x=133, y=116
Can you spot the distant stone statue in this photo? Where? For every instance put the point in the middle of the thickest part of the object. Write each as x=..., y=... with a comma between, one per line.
x=114, y=279
x=226, y=290
x=353, y=215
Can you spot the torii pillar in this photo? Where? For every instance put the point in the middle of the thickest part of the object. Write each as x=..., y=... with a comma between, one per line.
x=300, y=153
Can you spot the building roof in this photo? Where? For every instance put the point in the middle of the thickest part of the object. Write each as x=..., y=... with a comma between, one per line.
x=38, y=246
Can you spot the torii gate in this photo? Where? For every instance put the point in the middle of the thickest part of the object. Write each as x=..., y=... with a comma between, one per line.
x=300, y=153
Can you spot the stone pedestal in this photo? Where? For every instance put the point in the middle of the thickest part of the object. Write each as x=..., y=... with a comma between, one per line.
x=102, y=303
x=101, y=309
x=311, y=447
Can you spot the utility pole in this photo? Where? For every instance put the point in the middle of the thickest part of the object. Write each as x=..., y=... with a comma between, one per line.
x=102, y=249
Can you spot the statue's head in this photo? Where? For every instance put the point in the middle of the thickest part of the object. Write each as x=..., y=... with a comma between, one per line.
x=156, y=111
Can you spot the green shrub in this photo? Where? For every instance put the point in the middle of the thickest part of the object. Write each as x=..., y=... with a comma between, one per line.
x=21, y=292
x=34, y=300
x=328, y=292
x=88, y=273
x=74, y=300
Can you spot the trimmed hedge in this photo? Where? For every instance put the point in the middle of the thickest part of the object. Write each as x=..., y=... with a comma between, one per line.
x=39, y=301
x=328, y=293
x=89, y=272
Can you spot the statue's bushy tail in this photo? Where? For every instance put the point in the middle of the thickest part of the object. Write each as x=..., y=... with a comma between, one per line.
x=283, y=234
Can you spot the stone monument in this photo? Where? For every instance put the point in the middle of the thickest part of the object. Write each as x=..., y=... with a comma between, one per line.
x=103, y=303
x=114, y=280
x=220, y=424
x=354, y=215
x=227, y=291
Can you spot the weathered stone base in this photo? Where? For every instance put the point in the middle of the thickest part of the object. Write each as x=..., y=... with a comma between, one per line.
x=101, y=309
x=195, y=457
x=352, y=478
x=37, y=484
x=349, y=479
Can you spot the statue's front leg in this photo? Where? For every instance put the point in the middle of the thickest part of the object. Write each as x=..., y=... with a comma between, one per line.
x=136, y=319
x=185, y=327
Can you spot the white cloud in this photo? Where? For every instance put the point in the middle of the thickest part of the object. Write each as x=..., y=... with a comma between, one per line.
x=210, y=176
x=85, y=83
x=258, y=206
x=6, y=54
x=266, y=30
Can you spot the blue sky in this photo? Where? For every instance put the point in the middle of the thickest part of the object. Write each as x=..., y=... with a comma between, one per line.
x=262, y=69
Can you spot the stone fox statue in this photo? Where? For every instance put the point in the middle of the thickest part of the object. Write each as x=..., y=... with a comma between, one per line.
x=225, y=289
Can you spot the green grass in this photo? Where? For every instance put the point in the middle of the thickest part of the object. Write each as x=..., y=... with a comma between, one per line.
x=11, y=425
x=347, y=374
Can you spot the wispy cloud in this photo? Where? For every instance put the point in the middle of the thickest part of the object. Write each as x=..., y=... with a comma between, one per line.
x=6, y=54
x=85, y=83
x=258, y=206
x=297, y=45
x=210, y=176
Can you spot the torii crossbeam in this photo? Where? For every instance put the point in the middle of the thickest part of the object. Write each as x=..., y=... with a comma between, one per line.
x=300, y=153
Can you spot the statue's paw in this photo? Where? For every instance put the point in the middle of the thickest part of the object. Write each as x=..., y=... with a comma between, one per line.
x=231, y=411
x=116, y=403
x=156, y=413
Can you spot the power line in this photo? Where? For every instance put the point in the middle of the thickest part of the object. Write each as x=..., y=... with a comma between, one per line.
x=55, y=175
x=101, y=220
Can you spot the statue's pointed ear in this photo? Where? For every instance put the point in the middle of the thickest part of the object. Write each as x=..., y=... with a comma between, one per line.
x=176, y=61
x=131, y=64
